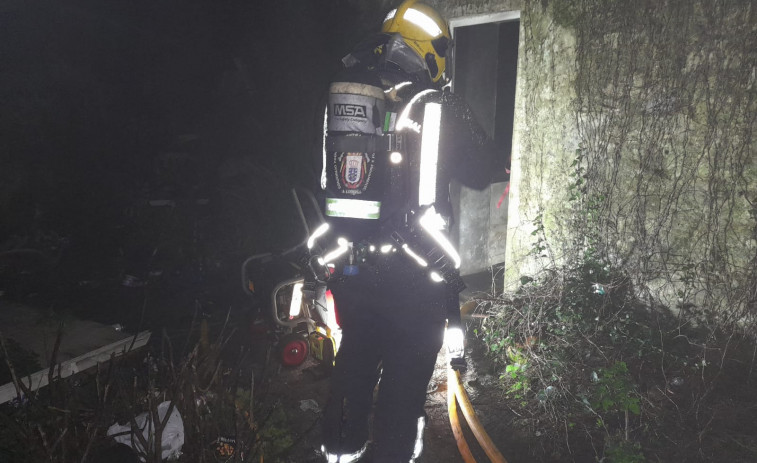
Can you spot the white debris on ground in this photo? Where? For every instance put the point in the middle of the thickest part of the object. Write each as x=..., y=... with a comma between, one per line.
x=172, y=438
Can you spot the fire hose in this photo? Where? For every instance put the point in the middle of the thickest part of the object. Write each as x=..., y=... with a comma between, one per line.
x=456, y=395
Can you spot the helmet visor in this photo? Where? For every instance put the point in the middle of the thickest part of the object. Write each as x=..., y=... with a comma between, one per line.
x=402, y=55
x=441, y=46
x=445, y=48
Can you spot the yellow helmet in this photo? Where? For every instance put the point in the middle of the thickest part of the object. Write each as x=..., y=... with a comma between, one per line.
x=424, y=30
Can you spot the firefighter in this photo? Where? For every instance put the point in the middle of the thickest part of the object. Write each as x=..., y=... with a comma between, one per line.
x=394, y=140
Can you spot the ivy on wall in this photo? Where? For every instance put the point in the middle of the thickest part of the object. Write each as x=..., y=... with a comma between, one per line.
x=663, y=104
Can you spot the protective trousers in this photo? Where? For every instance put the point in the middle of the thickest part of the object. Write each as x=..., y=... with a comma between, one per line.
x=391, y=335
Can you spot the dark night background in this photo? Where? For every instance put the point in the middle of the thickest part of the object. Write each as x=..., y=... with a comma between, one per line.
x=108, y=105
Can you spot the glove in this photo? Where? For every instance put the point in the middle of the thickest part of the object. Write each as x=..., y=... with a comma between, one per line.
x=454, y=340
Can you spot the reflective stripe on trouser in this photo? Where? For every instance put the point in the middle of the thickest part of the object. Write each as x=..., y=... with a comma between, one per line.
x=343, y=458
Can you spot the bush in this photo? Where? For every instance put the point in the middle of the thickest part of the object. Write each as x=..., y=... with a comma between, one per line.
x=586, y=362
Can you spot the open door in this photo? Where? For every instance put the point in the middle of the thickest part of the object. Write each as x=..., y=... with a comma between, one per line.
x=484, y=73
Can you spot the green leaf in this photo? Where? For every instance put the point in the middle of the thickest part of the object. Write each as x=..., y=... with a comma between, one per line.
x=606, y=404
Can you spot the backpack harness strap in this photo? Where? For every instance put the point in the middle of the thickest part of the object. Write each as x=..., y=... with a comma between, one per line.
x=364, y=143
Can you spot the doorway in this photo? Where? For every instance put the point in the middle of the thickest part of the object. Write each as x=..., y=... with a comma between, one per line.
x=484, y=73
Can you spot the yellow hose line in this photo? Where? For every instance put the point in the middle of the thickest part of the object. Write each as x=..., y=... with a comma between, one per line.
x=475, y=425
x=454, y=421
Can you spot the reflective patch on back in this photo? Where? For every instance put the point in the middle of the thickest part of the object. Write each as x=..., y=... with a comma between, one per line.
x=353, y=208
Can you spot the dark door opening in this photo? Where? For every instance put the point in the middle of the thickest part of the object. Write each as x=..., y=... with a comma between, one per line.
x=485, y=71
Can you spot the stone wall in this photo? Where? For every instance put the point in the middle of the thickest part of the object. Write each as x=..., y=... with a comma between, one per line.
x=634, y=144
x=665, y=108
